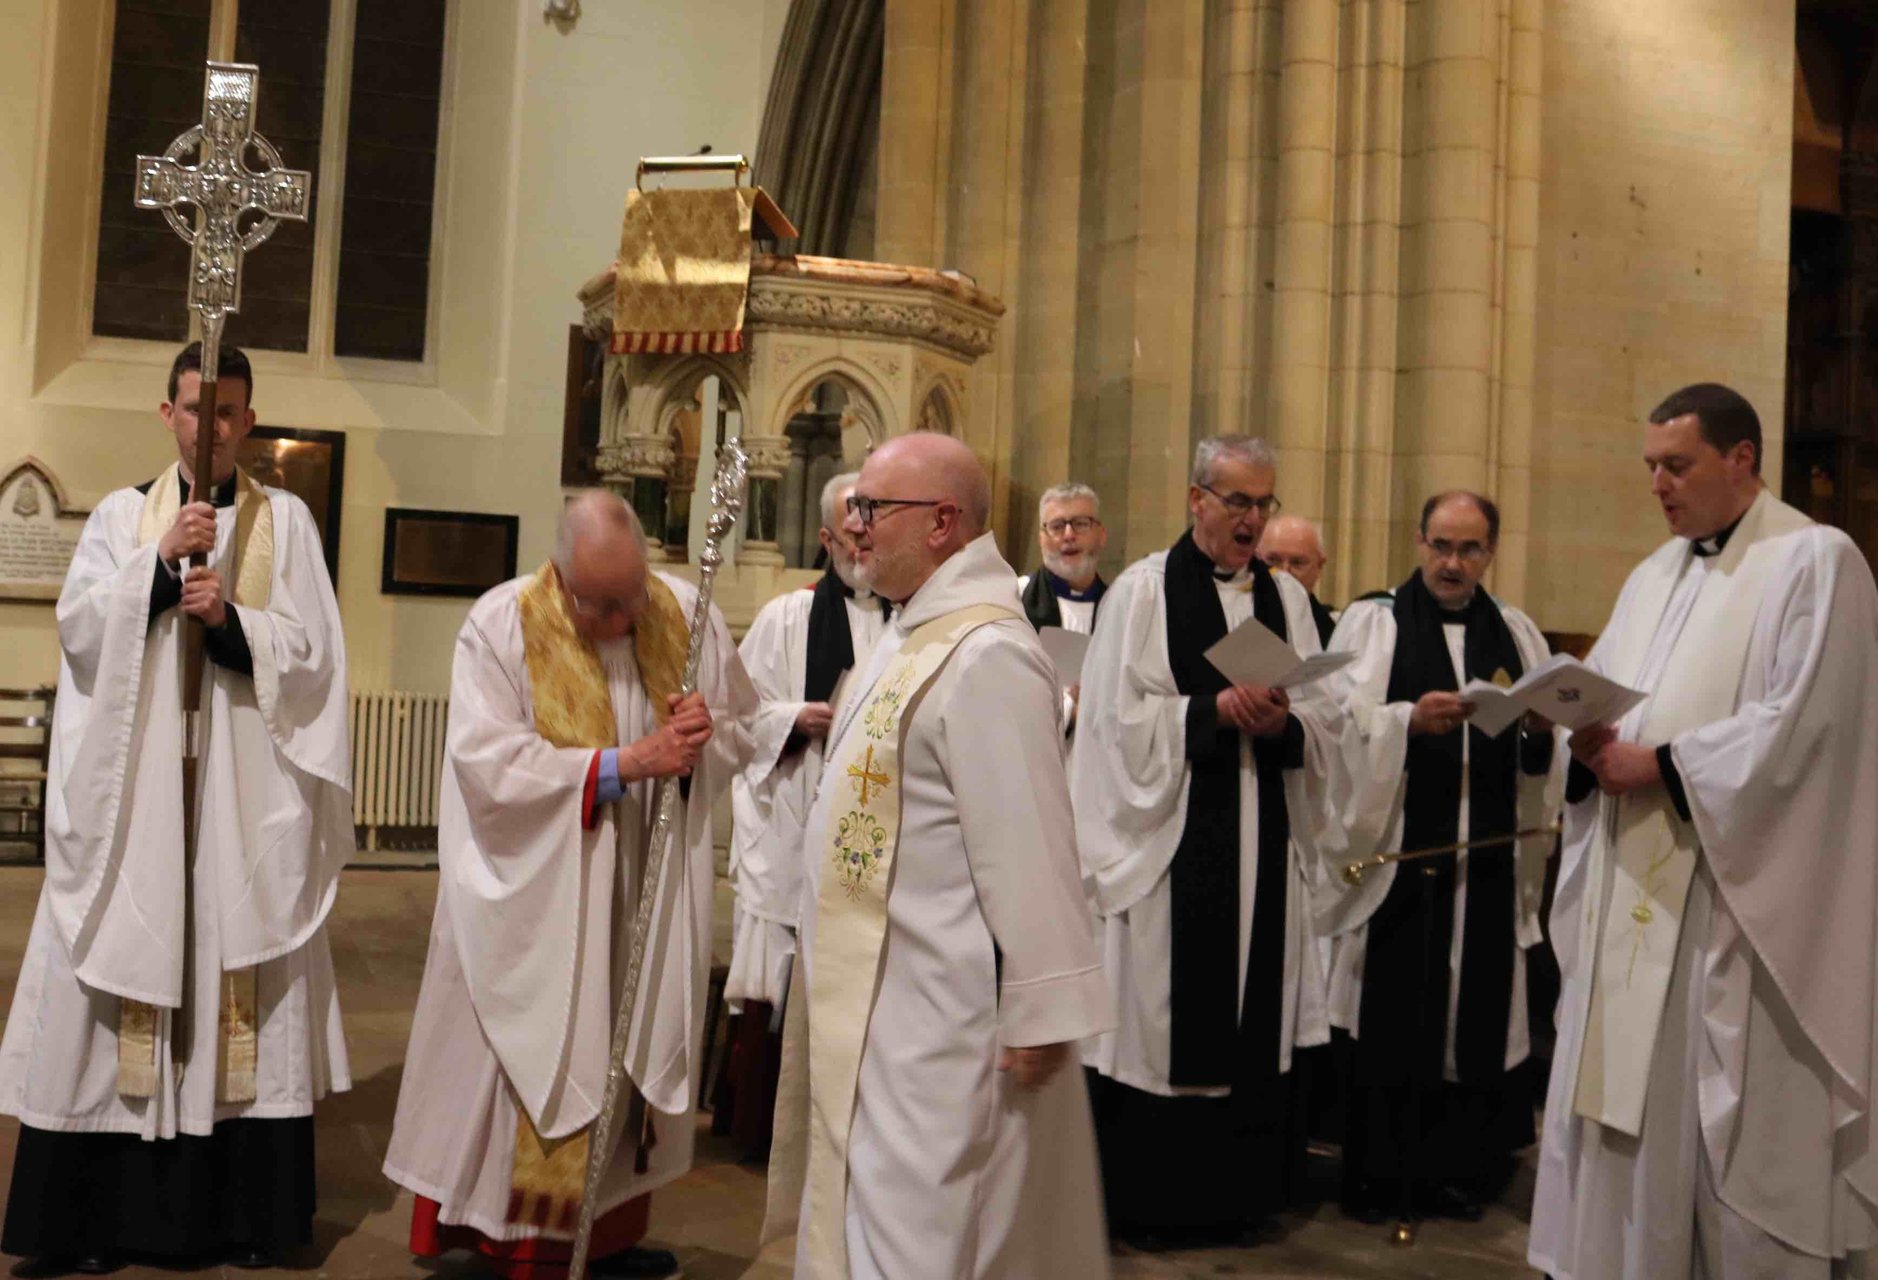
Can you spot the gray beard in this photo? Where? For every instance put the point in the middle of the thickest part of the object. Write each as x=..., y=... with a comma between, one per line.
x=1070, y=568
x=849, y=575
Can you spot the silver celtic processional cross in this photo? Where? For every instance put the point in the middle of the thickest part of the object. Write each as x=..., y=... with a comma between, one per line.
x=221, y=190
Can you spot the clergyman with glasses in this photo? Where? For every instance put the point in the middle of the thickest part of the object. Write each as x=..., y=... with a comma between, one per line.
x=1431, y=980
x=930, y=1121
x=1196, y=804
x=1067, y=591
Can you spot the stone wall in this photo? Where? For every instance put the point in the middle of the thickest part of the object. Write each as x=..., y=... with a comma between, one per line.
x=1398, y=238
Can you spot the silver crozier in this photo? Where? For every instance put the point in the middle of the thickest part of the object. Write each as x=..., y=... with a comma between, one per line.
x=726, y=505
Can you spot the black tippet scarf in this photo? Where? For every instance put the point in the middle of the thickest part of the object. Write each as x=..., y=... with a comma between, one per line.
x=1214, y=1041
x=1040, y=597
x=830, y=646
x=1393, y=991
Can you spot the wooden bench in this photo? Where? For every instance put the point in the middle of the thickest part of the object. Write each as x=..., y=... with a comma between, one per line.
x=25, y=746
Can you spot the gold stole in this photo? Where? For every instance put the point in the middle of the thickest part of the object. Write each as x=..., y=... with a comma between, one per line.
x=574, y=708
x=1650, y=849
x=251, y=556
x=856, y=876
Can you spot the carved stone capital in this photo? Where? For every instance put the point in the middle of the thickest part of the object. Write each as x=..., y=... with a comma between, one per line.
x=636, y=456
x=768, y=455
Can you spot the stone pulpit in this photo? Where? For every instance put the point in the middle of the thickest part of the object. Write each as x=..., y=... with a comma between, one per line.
x=897, y=342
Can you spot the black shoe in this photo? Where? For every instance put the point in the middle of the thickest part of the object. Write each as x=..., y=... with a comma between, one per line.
x=41, y=1268
x=97, y=1264
x=1448, y=1201
x=251, y=1259
x=637, y=1262
x=1369, y=1203
x=1366, y=1210
x=1146, y=1241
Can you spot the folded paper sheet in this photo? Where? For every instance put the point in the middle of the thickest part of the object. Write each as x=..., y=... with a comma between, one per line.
x=1562, y=689
x=1252, y=653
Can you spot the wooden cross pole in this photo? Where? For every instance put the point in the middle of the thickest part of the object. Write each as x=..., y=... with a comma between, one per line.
x=222, y=191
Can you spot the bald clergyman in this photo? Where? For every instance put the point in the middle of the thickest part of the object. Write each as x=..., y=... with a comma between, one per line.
x=927, y=1126
x=1296, y=546
x=1711, y=1103
x=564, y=714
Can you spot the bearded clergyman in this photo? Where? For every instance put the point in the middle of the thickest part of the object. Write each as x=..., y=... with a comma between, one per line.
x=801, y=651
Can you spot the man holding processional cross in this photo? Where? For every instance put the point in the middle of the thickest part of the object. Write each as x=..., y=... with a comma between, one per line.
x=175, y=1019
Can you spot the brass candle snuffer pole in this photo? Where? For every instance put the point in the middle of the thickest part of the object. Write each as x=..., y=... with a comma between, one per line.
x=1355, y=871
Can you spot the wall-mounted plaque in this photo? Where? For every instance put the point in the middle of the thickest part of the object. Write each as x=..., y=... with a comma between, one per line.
x=447, y=553
x=38, y=532
x=309, y=464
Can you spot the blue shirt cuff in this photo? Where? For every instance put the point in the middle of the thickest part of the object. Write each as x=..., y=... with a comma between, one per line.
x=608, y=787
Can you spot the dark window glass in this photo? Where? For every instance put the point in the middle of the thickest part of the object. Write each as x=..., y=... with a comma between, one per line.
x=288, y=43
x=157, y=52
x=391, y=179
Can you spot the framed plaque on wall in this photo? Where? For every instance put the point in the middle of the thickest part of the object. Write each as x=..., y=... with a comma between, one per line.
x=447, y=553
x=309, y=464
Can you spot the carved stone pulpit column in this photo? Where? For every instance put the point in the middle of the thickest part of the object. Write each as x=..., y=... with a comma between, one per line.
x=639, y=469
x=768, y=460
x=900, y=341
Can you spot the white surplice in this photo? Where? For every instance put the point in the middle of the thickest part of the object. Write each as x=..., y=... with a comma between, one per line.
x=1372, y=817
x=276, y=827
x=528, y=946
x=954, y=1171
x=1129, y=776
x=770, y=799
x=1755, y=1155
x=1076, y=616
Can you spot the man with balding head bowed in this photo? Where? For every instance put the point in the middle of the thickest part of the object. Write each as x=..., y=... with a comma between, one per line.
x=564, y=715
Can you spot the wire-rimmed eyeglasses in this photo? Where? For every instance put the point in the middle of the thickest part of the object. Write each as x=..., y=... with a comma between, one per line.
x=1241, y=505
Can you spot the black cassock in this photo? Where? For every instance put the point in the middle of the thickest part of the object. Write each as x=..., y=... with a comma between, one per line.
x=1468, y=1125
x=1200, y=1163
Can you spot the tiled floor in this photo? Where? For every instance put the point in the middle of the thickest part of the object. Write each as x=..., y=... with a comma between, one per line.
x=711, y=1217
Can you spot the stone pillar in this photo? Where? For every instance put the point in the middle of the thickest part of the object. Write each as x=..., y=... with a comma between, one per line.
x=638, y=468
x=683, y=478
x=813, y=459
x=824, y=464
x=769, y=458
x=796, y=495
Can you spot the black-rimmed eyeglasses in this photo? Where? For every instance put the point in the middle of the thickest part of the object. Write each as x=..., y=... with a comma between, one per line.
x=1242, y=506
x=868, y=509
x=1081, y=524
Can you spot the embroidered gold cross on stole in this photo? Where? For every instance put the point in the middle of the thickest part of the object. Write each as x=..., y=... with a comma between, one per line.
x=866, y=776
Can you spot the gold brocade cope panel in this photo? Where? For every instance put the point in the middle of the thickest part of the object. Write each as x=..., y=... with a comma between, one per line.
x=573, y=707
x=684, y=271
x=250, y=568
x=854, y=879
